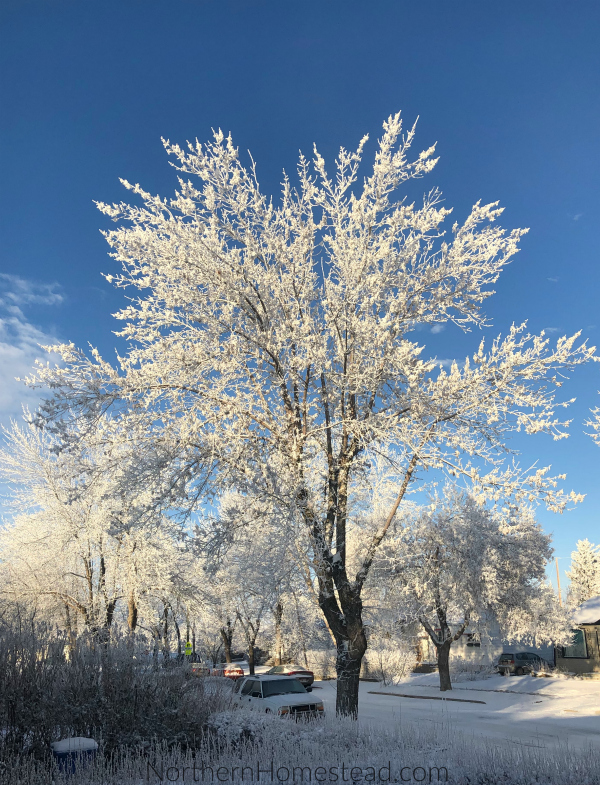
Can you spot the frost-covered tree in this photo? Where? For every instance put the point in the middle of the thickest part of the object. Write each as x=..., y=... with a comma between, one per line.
x=253, y=573
x=458, y=565
x=77, y=546
x=275, y=344
x=584, y=575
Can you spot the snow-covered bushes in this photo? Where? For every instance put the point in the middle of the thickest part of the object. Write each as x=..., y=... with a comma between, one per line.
x=103, y=693
x=414, y=754
x=322, y=663
x=462, y=669
x=389, y=664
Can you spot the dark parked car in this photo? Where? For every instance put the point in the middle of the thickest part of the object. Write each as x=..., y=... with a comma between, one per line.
x=522, y=662
x=303, y=675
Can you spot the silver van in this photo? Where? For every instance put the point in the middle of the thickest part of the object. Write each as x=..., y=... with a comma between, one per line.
x=522, y=662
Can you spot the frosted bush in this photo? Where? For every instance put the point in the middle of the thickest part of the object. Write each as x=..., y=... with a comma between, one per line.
x=434, y=750
x=470, y=670
x=389, y=664
x=322, y=663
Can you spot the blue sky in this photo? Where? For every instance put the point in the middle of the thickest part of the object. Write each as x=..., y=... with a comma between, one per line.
x=510, y=91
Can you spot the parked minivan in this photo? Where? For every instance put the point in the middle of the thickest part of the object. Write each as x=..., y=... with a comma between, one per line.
x=522, y=662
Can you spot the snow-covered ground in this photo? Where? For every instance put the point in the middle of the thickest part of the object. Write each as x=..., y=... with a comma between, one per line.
x=541, y=712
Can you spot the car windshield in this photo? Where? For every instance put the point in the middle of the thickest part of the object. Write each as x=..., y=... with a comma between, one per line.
x=281, y=687
x=505, y=657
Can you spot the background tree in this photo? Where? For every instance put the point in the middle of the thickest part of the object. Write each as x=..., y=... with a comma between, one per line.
x=584, y=575
x=459, y=566
x=77, y=546
x=274, y=345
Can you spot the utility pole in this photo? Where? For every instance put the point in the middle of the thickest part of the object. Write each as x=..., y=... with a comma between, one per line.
x=556, y=558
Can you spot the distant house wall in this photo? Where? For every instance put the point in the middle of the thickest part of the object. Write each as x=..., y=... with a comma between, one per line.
x=589, y=659
x=490, y=647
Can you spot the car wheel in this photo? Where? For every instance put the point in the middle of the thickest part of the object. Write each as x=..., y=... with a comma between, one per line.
x=268, y=711
x=519, y=671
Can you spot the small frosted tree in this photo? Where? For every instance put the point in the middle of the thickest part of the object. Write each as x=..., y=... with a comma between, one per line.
x=458, y=565
x=271, y=346
x=584, y=575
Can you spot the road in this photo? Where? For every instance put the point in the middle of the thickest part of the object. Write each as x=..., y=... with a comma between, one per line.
x=554, y=715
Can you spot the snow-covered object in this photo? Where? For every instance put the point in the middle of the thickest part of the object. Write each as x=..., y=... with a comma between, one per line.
x=74, y=744
x=588, y=612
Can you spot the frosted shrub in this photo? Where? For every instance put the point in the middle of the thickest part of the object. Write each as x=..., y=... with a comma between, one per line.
x=105, y=694
x=389, y=664
x=322, y=663
x=435, y=754
x=471, y=670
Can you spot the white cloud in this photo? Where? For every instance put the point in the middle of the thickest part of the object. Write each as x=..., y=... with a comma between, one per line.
x=446, y=363
x=20, y=341
x=551, y=329
x=437, y=328
x=16, y=292
x=552, y=280
x=577, y=216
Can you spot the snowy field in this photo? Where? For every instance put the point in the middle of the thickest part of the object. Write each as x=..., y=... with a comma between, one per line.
x=541, y=712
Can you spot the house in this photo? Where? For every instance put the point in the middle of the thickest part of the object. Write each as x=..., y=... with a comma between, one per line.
x=478, y=649
x=583, y=655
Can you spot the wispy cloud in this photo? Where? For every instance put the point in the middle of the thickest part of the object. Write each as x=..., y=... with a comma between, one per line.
x=438, y=328
x=17, y=291
x=577, y=216
x=551, y=329
x=20, y=340
x=552, y=280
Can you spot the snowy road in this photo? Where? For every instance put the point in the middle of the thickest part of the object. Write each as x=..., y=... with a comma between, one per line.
x=558, y=712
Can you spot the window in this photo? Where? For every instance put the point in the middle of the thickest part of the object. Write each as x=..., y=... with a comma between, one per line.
x=578, y=647
x=247, y=686
x=473, y=639
x=282, y=687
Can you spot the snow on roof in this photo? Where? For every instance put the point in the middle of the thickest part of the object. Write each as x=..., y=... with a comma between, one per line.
x=588, y=612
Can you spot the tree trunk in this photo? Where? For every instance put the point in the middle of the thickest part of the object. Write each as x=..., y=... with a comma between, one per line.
x=132, y=613
x=70, y=634
x=278, y=613
x=251, y=658
x=348, y=662
x=165, y=635
x=351, y=644
x=443, y=655
x=301, y=631
x=177, y=632
x=227, y=637
x=194, y=638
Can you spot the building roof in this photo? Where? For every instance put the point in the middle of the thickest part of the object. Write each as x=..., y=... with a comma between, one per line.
x=588, y=612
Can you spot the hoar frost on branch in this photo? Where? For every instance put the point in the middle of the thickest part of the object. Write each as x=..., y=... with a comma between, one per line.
x=274, y=345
